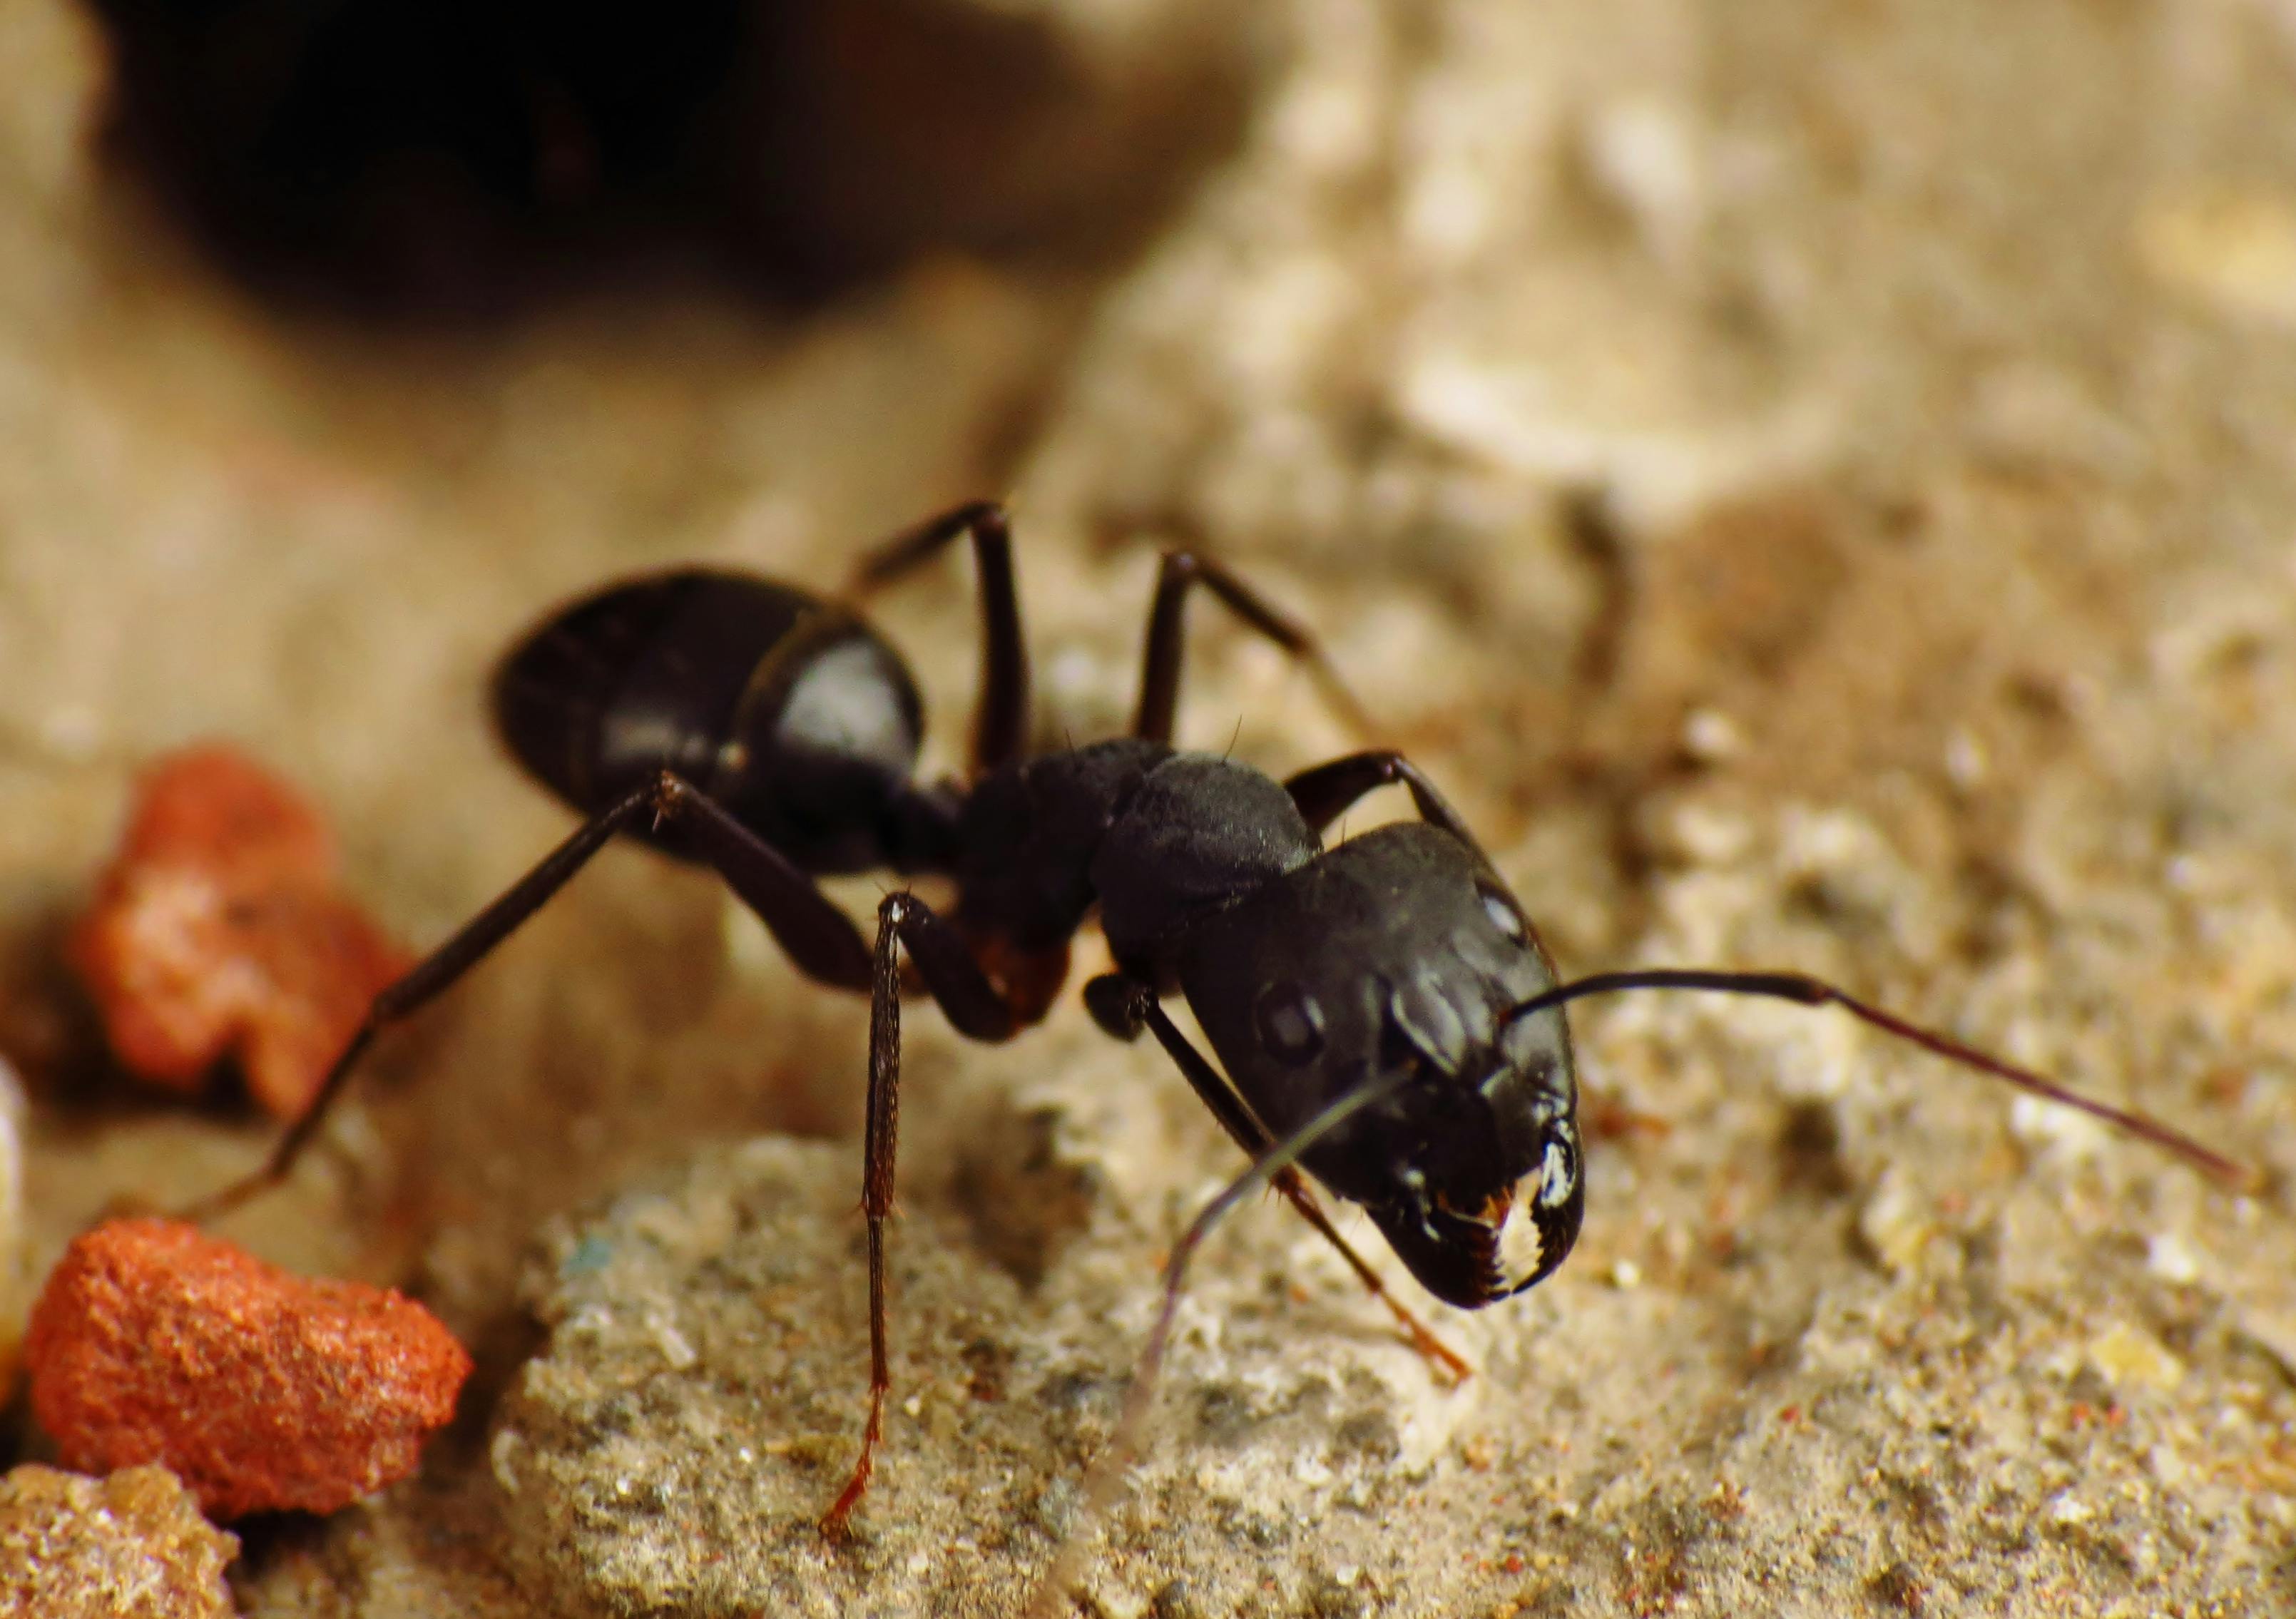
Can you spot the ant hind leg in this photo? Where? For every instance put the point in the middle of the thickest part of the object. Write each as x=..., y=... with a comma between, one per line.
x=818, y=937
x=1000, y=727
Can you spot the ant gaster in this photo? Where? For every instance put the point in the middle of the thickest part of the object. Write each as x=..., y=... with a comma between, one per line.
x=1384, y=1012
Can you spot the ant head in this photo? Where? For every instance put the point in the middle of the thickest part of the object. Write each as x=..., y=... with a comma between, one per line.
x=1400, y=958
x=1483, y=1159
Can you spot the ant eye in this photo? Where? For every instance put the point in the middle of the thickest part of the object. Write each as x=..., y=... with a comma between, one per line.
x=1291, y=1024
x=1502, y=913
x=1558, y=1175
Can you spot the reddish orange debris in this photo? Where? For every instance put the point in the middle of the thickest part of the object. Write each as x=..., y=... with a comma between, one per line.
x=261, y=1390
x=217, y=929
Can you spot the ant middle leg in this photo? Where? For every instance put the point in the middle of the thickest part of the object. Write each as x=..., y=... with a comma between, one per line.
x=1123, y=1007
x=818, y=937
x=973, y=1006
x=1326, y=792
x=1159, y=677
x=1000, y=726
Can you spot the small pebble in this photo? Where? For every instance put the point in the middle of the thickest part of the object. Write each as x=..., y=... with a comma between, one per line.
x=2128, y=1355
x=1895, y=1223
x=217, y=930
x=1712, y=737
x=263, y=1390
x=2168, y=1257
x=132, y=1546
x=2231, y=247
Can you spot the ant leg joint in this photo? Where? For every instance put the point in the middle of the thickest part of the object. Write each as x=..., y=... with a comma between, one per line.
x=1119, y=1005
x=670, y=794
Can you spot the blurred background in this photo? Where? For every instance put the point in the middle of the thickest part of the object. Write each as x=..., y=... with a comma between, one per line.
x=1812, y=480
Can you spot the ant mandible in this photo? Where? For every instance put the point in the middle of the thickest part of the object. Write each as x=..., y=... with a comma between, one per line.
x=1387, y=1016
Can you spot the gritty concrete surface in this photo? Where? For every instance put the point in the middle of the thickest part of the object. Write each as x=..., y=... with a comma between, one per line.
x=1811, y=483
x=129, y=1546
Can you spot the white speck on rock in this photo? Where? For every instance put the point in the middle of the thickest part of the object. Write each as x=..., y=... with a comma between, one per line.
x=2058, y=1131
x=502, y=1458
x=672, y=1342
x=1712, y=736
x=1895, y=1223
x=2168, y=1257
x=1644, y=153
x=2127, y=1356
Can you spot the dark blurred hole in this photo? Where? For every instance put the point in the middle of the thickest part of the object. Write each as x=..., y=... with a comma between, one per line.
x=425, y=157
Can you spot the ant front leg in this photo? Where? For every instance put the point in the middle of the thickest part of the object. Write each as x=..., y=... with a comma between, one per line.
x=1104, y=1483
x=818, y=936
x=1123, y=1007
x=1000, y=727
x=973, y=1006
x=1159, y=677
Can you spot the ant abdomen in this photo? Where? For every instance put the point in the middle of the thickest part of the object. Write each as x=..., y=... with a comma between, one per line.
x=787, y=710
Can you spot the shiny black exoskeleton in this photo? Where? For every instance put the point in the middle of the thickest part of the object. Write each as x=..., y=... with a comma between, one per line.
x=1401, y=951
x=772, y=736
x=1311, y=972
x=791, y=714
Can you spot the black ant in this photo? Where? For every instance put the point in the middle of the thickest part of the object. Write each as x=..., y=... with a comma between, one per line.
x=1387, y=1016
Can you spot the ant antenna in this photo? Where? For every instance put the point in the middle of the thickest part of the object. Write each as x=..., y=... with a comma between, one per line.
x=1815, y=991
x=1104, y=1481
